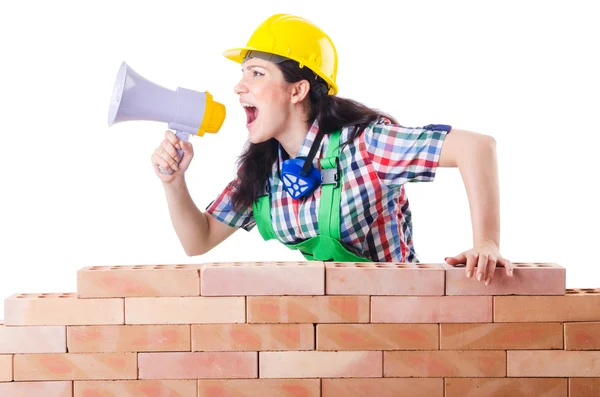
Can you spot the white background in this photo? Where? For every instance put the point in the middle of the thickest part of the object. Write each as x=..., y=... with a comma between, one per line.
x=77, y=193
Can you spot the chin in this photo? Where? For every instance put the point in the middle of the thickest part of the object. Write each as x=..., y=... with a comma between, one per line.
x=253, y=139
x=256, y=135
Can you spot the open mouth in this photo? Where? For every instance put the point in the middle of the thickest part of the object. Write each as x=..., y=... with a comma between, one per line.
x=251, y=113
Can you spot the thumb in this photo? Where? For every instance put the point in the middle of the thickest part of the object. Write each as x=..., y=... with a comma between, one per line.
x=187, y=147
x=188, y=153
x=455, y=260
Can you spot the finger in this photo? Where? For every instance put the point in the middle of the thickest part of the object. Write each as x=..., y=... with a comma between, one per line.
x=173, y=139
x=171, y=150
x=187, y=154
x=491, y=269
x=508, y=265
x=158, y=159
x=456, y=260
x=482, y=267
x=157, y=170
x=187, y=147
x=167, y=155
x=471, y=263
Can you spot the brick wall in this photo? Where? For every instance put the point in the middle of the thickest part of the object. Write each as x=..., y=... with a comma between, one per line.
x=303, y=329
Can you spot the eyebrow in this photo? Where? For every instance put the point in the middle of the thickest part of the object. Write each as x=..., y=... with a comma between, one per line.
x=253, y=66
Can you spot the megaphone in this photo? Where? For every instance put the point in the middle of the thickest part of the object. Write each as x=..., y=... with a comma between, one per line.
x=186, y=111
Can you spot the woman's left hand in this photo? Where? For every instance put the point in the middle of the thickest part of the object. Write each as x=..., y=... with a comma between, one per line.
x=485, y=257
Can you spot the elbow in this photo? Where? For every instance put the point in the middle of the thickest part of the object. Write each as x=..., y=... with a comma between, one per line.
x=194, y=251
x=482, y=152
x=489, y=141
x=487, y=145
x=481, y=143
x=198, y=250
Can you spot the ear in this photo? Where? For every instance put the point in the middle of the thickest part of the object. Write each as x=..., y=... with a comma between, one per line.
x=299, y=91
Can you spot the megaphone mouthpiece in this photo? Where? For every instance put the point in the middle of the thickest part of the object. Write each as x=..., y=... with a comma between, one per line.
x=214, y=115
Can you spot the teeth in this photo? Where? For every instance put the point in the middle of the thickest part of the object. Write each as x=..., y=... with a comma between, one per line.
x=246, y=105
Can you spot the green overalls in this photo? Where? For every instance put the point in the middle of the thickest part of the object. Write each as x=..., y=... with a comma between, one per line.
x=326, y=246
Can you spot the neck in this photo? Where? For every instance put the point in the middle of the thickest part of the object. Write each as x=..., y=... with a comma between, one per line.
x=293, y=135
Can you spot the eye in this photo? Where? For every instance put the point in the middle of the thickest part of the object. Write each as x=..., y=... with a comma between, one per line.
x=256, y=73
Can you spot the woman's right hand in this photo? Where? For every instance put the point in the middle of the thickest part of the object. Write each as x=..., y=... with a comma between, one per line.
x=166, y=156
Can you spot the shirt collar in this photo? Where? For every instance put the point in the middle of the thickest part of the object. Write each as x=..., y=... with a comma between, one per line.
x=306, y=145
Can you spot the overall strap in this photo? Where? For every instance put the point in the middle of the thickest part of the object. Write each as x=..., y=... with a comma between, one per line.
x=331, y=176
x=329, y=209
x=262, y=213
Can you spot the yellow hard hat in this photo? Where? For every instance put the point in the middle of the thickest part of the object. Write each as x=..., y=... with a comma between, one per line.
x=295, y=38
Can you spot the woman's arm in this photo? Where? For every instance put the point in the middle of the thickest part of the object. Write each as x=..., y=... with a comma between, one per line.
x=475, y=157
x=198, y=232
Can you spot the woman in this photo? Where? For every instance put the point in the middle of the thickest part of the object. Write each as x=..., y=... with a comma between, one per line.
x=323, y=174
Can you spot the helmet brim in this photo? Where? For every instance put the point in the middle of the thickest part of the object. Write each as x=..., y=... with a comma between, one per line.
x=238, y=55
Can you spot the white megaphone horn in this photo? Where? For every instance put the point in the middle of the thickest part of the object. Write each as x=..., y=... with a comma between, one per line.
x=186, y=111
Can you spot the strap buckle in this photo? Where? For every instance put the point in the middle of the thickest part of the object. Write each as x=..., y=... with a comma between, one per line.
x=266, y=189
x=331, y=176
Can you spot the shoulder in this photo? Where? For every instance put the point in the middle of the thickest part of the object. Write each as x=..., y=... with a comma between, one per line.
x=386, y=124
x=388, y=142
x=394, y=133
x=384, y=135
x=384, y=131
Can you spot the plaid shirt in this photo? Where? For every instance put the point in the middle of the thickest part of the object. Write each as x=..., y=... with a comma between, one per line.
x=375, y=213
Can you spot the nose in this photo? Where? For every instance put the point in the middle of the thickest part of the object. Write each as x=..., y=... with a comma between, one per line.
x=240, y=88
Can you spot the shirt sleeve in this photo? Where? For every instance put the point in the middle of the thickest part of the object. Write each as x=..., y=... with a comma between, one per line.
x=222, y=209
x=404, y=154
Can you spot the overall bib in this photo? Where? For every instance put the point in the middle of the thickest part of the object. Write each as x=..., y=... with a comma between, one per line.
x=327, y=245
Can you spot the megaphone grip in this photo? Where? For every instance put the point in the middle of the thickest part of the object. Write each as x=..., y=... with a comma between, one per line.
x=182, y=136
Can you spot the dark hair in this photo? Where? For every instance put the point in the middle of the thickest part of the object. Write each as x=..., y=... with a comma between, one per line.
x=332, y=113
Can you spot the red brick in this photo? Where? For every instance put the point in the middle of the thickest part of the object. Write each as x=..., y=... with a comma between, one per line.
x=431, y=309
x=37, y=389
x=308, y=309
x=582, y=336
x=61, y=309
x=198, y=365
x=500, y=336
x=33, y=339
x=139, y=281
x=555, y=363
x=444, y=363
x=6, y=367
x=382, y=278
x=128, y=338
x=185, y=310
x=383, y=387
x=259, y=388
x=136, y=388
x=74, y=366
x=506, y=387
x=575, y=305
x=252, y=337
x=527, y=279
x=584, y=387
x=377, y=336
x=320, y=364
x=263, y=278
